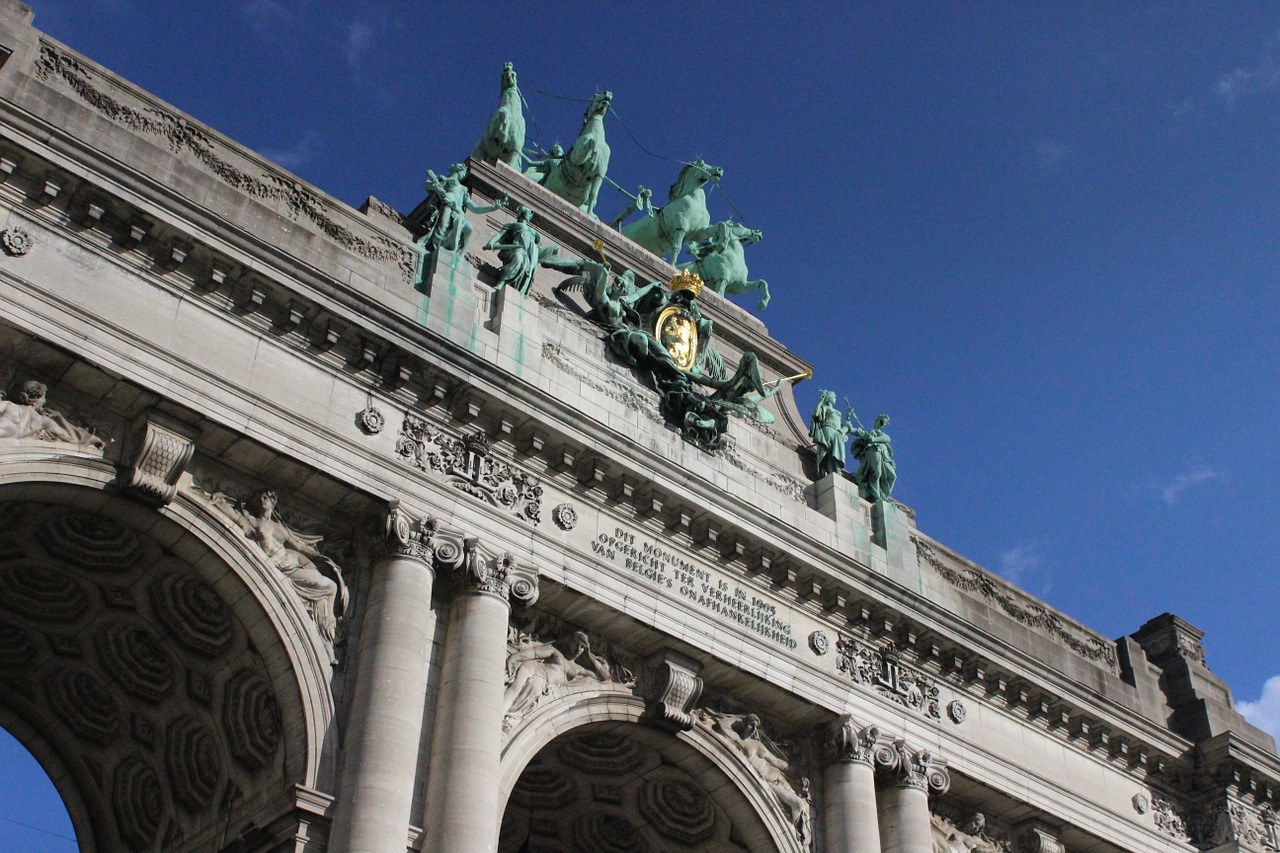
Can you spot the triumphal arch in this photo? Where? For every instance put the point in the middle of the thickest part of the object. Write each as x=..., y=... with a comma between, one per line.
x=484, y=527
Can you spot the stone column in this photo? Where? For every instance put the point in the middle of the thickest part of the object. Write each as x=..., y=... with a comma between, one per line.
x=379, y=757
x=849, y=806
x=462, y=787
x=905, y=826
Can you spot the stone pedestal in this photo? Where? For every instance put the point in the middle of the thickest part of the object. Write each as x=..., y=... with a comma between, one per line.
x=904, y=819
x=462, y=788
x=849, y=808
x=375, y=793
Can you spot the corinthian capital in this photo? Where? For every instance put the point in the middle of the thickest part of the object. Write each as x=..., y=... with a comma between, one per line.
x=918, y=769
x=852, y=741
x=409, y=537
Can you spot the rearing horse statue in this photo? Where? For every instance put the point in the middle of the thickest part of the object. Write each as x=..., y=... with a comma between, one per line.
x=503, y=139
x=577, y=176
x=683, y=218
x=719, y=261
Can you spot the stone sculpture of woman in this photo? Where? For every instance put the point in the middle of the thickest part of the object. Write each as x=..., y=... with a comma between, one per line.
x=877, y=471
x=541, y=669
x=314, y=577
x=829, y=431
x=24, y=416
x=743, y=733
x=518, y=249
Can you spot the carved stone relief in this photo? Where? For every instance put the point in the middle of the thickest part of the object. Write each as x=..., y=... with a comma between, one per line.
x=16, y=241
x=546, y=657
x=23, y=416
x=1022, y=608
x=467, y=465
x=965, y=834
x=884, y=670
x=160, y=451
x=184, y=138
x=790, y=789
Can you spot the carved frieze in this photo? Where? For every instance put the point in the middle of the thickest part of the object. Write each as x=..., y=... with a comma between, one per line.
x=1021, y=607
x=884, y=670
x=55, y=65
x=468, y=465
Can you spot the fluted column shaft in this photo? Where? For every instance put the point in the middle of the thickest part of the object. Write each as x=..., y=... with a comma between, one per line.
x=375, y=791
x=462, y=788
x=849, y=810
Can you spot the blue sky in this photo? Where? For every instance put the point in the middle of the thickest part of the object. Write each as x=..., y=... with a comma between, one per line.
x=1044, y=237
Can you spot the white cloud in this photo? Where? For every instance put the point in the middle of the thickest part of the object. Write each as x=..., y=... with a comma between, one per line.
x=1172, y=491
x=1265, y=713
x=1050, y=154
x=1242, y=82
x=1018, y=562
x=268, y=18
x=300, y=154
x=358, y=41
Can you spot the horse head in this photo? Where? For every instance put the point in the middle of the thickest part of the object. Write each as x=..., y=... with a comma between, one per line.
x=508, y=77
x=598, y=107
x=693, y=176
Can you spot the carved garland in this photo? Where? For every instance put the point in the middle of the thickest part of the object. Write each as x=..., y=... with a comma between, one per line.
x=467, y=466
x=182, y=135
x=1030, y=614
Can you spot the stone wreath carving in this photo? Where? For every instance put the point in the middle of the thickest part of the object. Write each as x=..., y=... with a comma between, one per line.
x=16, y=241
x=884, y=670
x=466, y=465
x=743, y=734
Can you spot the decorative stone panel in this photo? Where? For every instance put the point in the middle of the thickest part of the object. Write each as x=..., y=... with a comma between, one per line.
x=195, y=614
x=138, y=803
x=84, y=703
x=135, y=661
x=191, y=757
x=677, y=810
x=251, y=719
x=32, y=590
x=92, y=542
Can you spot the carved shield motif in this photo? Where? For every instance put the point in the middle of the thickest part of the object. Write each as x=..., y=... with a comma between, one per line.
x=677, y=331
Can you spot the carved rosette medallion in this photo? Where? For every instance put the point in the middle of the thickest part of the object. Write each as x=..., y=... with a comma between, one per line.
x=16, y=241
x=819, y=643
x=467, y=465
x=957, y=712
x=370, y=419
x=565, y=516
x=884, y=670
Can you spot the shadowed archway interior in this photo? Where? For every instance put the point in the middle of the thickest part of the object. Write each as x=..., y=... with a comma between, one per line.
x=132, y=679
x=621, y=787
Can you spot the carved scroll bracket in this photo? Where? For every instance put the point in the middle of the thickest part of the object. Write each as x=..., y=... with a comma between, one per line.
x=852, y=741
x=917, y=768
x=671, y=688
x=158, y=452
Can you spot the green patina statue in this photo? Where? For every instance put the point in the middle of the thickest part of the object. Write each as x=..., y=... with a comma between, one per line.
x=720, y=262
x=444, y=225
x=829, y=431
x=503, y=139
x=519, y=247
x=683, y=218
x=663, y=333
x=539, y=169
x=577, y=176
x=877, y=471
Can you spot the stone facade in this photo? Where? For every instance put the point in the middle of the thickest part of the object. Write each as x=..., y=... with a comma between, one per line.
x=298, y=552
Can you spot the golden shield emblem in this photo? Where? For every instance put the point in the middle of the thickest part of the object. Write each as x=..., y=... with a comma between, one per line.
x=678, y=334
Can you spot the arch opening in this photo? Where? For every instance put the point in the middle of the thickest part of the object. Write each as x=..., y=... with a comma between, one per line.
x=619, y=786
x=141, y=671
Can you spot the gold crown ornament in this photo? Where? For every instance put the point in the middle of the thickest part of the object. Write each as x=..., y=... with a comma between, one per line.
x=686, y=280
